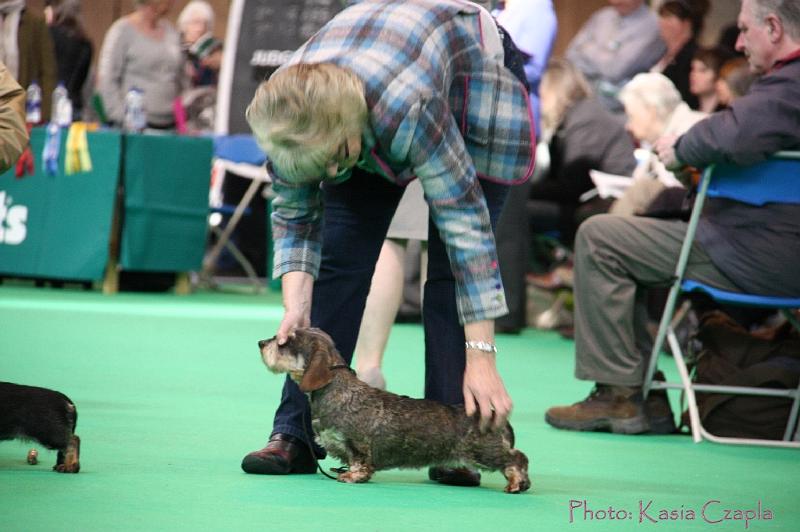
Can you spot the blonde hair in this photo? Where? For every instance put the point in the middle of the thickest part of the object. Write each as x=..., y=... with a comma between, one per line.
x=303, y=113
x=565, y=86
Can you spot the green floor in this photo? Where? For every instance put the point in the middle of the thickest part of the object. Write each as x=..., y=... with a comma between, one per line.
x=171, y=393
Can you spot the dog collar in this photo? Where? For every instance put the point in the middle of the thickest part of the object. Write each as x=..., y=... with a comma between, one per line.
x=343, y=366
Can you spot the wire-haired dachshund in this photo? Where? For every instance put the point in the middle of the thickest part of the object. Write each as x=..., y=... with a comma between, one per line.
x=46, y=416
x=371, y=429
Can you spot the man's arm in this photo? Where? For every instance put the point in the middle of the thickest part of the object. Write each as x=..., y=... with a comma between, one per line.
x=13, y=133
x=757, y=125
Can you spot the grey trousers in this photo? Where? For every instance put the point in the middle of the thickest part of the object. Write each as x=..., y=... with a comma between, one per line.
x=616, y=259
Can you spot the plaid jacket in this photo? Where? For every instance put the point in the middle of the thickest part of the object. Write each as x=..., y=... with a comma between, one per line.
x=441, y=110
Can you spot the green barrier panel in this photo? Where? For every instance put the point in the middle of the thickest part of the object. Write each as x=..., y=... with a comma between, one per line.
x=59, y=226
x=166, y=202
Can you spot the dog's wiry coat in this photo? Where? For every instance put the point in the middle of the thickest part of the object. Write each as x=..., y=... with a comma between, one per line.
x=46, y=416
x=371, y=429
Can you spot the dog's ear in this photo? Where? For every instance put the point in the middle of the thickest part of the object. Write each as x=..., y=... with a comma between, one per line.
x=318, y=372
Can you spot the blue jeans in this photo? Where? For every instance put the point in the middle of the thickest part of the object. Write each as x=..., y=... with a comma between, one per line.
x=357, y=216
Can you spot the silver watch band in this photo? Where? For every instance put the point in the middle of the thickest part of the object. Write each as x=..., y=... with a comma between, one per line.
x=486, y=347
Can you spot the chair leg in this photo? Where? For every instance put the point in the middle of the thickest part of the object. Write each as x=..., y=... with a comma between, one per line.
x=663, y=328
x=691, y=400
x=211, y=259
x=791, y=425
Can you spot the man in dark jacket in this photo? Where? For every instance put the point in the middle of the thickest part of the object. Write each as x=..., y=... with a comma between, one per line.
x=738, y=247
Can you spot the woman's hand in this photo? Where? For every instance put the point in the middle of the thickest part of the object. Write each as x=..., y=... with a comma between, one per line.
x=484, y=390
x=297, y=288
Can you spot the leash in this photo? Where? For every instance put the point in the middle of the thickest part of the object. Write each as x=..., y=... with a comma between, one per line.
x=309, y=440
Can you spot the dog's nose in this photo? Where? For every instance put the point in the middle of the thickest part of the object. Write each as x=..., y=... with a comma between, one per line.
x=262, y=343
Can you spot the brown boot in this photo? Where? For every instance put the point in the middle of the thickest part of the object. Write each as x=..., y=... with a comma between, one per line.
x=617, y=409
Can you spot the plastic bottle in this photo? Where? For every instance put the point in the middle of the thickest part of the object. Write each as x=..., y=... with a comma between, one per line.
x=33, y=104
x=61, y=113
x=135, y=119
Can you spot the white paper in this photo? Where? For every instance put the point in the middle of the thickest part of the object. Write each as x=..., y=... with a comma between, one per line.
x=610, y=185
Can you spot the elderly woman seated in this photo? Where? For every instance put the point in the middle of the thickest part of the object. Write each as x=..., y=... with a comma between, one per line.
x=654, y=108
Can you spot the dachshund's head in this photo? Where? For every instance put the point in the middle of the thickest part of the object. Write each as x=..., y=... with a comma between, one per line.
x=307, y=356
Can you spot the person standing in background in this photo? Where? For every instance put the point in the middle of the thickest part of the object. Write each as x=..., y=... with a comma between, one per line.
x=142, y=50
x=27, y=49
x=72, y=46
x=532, y=25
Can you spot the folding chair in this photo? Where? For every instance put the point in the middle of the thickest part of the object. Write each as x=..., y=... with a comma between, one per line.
x=240, y=155
x=774, y=180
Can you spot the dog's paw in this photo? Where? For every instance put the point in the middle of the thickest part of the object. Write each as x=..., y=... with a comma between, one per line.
x=356, y=475
x=351, y=478
x=33, y=457
x=73, y=467
x=518, y=485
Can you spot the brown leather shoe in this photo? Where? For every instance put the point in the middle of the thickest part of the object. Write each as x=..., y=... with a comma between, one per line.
x=283, y=455
x=618, y=409
x=455, y=476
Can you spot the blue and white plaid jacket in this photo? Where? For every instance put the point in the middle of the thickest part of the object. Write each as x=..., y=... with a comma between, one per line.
x=441, y=110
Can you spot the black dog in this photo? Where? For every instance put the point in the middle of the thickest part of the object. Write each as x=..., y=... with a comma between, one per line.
x=47, y=416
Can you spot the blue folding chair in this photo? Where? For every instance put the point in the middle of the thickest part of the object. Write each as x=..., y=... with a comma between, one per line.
x=774, y=180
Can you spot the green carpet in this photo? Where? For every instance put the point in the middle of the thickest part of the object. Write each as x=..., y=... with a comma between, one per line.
x=171, y=394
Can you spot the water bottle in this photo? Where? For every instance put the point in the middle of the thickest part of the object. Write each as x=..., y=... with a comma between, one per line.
x=33, y=104
x=135, y=119
x=61, y=113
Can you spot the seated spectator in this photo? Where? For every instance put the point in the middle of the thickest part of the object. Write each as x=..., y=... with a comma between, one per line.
x=654, y=108
x=738, y=248
x=142, y=50
x=26, y=48
x=706, y=65
x=680, y=22
x=13, y=133
x=735, y=78
x=583, y=136
x=203, y=55
x=203, y=51
x=615, y=44
x=73, y=49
